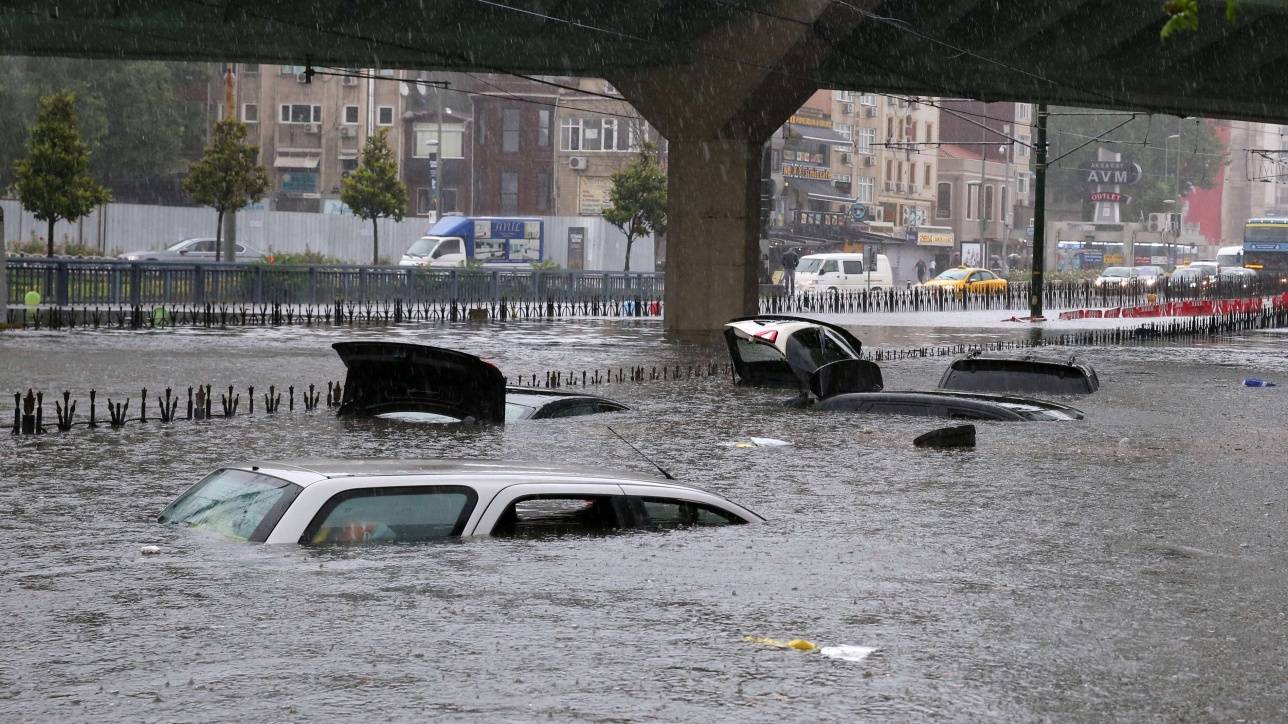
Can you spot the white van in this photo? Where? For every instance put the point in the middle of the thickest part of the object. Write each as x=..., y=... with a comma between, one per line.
x=842, y=273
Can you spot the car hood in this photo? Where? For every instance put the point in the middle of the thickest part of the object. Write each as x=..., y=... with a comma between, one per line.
x=400, y=377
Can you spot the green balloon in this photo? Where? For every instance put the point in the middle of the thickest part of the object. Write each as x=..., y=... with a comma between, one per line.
x=160, y=315
x=32, y=298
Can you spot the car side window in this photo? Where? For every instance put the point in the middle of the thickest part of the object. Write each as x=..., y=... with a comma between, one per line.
x=403, y=514
x=447, y=247
x=560, y=514
x=974, y=277
x=203, y=245
x=240, y=249
x=853, y=266
x=666, y=514
x=985, y=276
x=829, y=267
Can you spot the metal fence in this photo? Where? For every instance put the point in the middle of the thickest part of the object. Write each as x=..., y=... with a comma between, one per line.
x=64, y=282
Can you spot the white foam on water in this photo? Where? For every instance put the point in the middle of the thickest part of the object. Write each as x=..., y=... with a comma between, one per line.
x=847, y=652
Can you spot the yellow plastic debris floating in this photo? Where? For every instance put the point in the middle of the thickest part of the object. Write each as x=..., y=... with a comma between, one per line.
x=798, y=644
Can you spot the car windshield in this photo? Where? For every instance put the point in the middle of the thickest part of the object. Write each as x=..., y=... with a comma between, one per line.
x=808, y=265
x=236, y=504
x=1148, y=271
x=1117, y=271
x=514, y=411
x=421, y=247
x=954, y=274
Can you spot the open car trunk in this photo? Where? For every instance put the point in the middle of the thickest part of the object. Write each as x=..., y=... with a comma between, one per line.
x=399, y=377
x=812, y=356
x=1029, y=374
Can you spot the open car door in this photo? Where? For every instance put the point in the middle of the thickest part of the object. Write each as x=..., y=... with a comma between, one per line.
x=399, y=377
x=812, y=356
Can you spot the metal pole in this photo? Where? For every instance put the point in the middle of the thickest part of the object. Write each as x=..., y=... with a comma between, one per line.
x=1039, y=215
x=438, y=157
x=4, y=275
x=979, y=205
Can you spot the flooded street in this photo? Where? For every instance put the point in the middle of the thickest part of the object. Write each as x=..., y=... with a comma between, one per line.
x=1130, y=566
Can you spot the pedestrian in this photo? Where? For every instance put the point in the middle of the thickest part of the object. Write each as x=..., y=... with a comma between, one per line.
x=932, y=268
x=921, y=271
x=764, y=268
x=790, y=260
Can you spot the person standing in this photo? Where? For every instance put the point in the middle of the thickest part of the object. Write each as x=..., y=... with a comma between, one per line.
x=790, y=260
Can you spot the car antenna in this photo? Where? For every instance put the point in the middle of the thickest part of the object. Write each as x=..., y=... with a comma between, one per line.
x=660, y=469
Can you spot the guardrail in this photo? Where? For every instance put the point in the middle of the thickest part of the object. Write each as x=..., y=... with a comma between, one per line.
x=68, y=282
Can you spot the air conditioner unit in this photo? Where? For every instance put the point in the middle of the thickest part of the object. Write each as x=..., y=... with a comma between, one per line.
x=847, y=108
x=348, y=131
x=869, y=160
x=1159, y=222
x=578, y=163
x=313, y=128
x=301, y=77
x=348, y=80
x=871, y=112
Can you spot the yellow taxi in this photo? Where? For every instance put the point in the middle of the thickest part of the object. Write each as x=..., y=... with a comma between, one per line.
x=969, y=279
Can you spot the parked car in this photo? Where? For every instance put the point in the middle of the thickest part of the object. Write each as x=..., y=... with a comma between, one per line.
x=1191, y=279
x=350, y=502
x=841, y=272
x=822, y=361
x=193, y=250
x=1151, y=277
x=417, y=382
x=1117, y=277
x=968, y=279
x=1237, y=278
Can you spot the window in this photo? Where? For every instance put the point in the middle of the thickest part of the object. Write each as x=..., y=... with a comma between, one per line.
x=912, y=174
x=404, y=514
x=424, y=200
x=544, y=515
x=510, y=130
x=427, y=139
x=867, y=137
x=292, y=69
x=901, y=172
x=543, y=190
x=868, y=99
x=348, y=164
x=863, y=190
x=570, y=134
x=987, y=210
x=829, y=267
x=610, y=134
x=889, y=128
x=844, y=129
x=350, y=115
x=300, y=113
x=1023, y=184
x=250, y=112
x=251, y=68
x=852, y=266
x=449, y=200
x=233, y=503
x=944, y=201
x=1023, y=112
x=929, y=174
x=1022, y=150
x=590, y=136
x=930, y=132
x=667, y=514
x=972, y=201
x=843, y=95
x=1004, y=211
x=384, y=115
x=543, y=128
x=509, y=192
x=889, y=171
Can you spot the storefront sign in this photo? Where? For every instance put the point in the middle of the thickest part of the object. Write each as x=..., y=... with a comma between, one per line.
x=937, y=237
x=1112, y=197
x=806, y=121
x=810, y=172
x=300, y=182
x=1110, y=172
x=592, y=194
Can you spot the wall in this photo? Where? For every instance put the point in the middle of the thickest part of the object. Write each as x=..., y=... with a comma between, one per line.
x=127, y=227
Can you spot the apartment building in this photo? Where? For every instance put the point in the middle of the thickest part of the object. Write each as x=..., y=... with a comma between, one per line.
x=597, y=138
x=909, y=166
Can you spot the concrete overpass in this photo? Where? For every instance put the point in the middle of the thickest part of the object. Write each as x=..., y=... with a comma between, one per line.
x=717, y=77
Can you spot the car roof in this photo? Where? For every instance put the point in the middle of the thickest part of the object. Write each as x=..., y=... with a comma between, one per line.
x=834, y=255
x=307, y=471
x=537, y=393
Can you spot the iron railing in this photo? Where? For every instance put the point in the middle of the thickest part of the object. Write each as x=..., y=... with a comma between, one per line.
x=65, y=282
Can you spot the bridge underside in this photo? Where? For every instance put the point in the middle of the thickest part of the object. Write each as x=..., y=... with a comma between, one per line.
x=717, y=77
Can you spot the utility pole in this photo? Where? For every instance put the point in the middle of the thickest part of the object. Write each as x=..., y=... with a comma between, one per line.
x=230, y=217
x=980, y=207
x=438, y=156
x=1039, y=216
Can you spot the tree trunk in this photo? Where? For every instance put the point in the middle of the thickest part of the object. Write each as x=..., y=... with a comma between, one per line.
x=375, y=241
x=50, y=240
x=219, y=235
x=630, y=239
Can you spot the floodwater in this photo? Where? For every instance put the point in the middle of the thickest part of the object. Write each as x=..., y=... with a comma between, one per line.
x=1128, y=567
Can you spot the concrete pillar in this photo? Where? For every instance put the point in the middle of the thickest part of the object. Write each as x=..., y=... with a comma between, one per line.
x=711, y=274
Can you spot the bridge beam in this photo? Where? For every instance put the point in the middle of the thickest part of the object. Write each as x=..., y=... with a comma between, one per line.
x=716, y=107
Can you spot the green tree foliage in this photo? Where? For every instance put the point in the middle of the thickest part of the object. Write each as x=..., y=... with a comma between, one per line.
x=52, y=179
x=142, y=120
x=1144, y=141
x=373, y=190
x=637, y=201
x=228, y=176
x=1184, y=15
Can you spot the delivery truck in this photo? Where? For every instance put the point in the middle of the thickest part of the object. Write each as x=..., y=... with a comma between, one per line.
x=492, y=241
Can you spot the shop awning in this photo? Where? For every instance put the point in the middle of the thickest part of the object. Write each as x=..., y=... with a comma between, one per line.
x=821, y=135
x=820, y=190
x=305, y=162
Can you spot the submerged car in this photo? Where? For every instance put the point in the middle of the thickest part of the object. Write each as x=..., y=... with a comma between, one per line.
x=822, y=361
x=418, y=382
x=351, y=502
x=1025, y=373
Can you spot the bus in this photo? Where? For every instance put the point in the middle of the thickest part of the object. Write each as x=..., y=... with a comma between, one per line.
x=1265, y=245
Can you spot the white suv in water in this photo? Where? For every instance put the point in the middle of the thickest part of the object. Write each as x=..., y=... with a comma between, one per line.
x=348, y=502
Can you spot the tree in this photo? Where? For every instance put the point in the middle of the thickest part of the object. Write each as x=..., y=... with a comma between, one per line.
x=1145, y=141
x=373, y=190
x=52, y=178
x=228, y=176
x=1184, y=15
x=637, y=201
